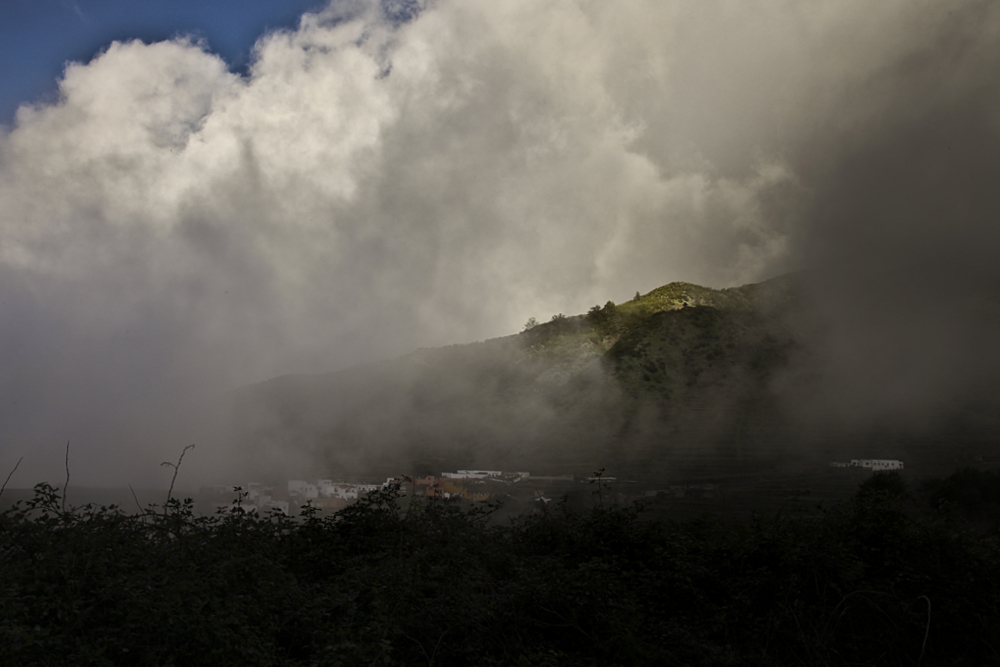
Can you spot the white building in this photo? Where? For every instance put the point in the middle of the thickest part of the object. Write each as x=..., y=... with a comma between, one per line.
x=344, y=491
x=471, y=474
x=302, y=488
x=877, y=464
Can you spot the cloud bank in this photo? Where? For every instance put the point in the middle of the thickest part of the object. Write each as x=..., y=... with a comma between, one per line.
x=391, y=175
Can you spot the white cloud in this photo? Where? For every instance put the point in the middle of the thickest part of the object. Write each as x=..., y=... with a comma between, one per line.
x=368, y=188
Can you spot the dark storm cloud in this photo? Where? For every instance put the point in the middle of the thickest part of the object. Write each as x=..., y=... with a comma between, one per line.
x=904, y=225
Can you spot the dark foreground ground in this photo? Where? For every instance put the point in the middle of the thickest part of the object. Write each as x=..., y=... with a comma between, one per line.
x=890, y=576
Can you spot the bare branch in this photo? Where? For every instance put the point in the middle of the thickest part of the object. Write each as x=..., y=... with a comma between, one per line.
x=141, y=512
x=66, y=485
x=10, y=475
x=927, y=630
x=176, y=468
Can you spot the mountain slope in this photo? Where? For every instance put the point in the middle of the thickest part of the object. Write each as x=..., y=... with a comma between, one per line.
x=573, y=394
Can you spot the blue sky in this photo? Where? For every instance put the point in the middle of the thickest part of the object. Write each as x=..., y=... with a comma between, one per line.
x=37, y=37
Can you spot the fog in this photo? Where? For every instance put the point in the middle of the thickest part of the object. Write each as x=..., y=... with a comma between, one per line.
x=391, y=176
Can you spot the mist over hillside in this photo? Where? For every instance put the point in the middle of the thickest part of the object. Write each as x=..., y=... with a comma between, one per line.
x=684, y=380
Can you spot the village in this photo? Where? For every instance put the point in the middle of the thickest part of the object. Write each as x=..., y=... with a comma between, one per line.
x=875, y=465
x=327, y=495
x=521, y=490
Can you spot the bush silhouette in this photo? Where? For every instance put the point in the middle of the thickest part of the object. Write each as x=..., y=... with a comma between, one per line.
x=400, y=581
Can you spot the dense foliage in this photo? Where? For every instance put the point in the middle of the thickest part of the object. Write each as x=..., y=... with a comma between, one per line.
x=972, y=494
x=393, y=582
